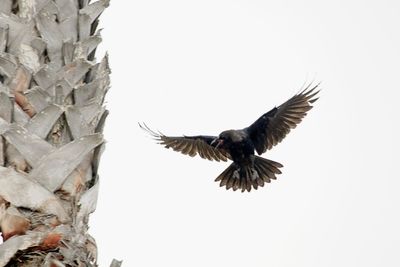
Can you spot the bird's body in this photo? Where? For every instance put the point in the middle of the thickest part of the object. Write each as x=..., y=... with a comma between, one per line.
x=247, y=170
x=238, y=145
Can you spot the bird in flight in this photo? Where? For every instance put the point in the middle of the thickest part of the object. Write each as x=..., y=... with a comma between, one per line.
x=247, y=170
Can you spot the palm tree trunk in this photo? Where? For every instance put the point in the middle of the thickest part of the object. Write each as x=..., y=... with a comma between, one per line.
x=51, y=121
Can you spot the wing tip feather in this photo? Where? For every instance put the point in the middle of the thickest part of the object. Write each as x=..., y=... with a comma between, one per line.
x=157, y=136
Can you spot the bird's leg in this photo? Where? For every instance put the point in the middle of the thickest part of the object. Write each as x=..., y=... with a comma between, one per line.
x=252, y=159
x=254, y=173
x=236, y=173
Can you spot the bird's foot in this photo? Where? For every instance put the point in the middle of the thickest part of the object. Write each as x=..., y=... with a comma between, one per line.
x=254, y=175
x=236, y=174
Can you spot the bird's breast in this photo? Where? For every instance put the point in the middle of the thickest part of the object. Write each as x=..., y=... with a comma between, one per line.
x=241, y=151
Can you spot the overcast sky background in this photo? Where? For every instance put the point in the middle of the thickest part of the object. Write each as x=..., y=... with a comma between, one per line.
x=200, y=67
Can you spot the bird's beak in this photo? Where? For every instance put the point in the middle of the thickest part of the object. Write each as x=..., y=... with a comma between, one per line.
x=217, y=142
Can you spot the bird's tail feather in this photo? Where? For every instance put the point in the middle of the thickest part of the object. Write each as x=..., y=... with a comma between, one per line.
x=249, y=176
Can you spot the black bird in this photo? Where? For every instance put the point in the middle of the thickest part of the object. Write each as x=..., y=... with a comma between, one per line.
x=247, y=169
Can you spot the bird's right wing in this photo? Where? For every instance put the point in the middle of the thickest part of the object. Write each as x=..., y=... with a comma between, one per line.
x=272, y=127
x=190, y=145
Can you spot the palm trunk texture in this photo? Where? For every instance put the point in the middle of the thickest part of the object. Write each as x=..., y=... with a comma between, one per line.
x=52, y=115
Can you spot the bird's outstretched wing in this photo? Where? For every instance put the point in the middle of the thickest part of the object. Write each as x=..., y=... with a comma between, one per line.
x=272, y=127
x=190, y=145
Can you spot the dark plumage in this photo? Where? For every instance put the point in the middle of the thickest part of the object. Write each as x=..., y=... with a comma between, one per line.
x=247, y=170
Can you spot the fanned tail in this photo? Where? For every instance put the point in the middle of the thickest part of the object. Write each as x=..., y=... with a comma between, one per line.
x=249, y=176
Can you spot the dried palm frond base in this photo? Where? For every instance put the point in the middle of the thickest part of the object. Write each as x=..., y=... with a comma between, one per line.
x=55, y=250
x=52, y=116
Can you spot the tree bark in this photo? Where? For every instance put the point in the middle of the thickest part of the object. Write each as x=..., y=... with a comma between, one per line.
x=51, y=121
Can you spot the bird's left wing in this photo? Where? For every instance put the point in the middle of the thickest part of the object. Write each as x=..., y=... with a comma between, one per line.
x=272, y=127
x=190, y=145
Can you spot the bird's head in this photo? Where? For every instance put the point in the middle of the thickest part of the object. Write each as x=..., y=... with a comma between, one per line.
x=223, y=140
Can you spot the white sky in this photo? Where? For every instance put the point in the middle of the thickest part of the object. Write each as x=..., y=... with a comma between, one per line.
x=200, y=67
